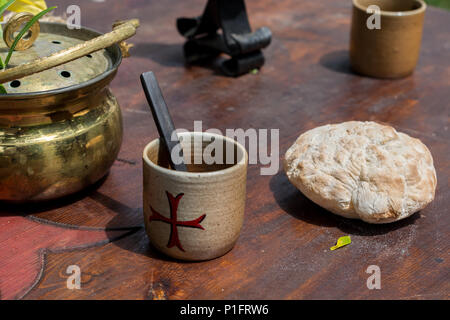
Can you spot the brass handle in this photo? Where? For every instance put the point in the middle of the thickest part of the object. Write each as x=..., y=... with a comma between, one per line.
x=14, y=25
x=122, y=30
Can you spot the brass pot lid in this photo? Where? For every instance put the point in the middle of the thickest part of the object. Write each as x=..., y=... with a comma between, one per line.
x=52, y=38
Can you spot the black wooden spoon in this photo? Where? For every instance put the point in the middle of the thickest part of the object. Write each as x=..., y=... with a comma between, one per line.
x=162, y=118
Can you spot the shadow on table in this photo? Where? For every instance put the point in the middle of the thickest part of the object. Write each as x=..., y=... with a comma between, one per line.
x=293, y=202
x=137, y=242
x=337, y=61
x=171, y=55
x=10, y=209
x=135, y=239
x=132, y=238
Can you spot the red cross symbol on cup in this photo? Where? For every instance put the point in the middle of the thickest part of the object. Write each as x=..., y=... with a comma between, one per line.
x=174, y=240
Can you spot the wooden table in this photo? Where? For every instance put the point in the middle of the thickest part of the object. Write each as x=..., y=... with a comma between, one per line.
x=283, y=251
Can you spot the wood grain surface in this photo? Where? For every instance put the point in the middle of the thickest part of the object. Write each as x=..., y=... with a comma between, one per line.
x=283, y=251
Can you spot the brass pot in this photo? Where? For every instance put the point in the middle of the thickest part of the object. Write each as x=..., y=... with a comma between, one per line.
x=60, y=129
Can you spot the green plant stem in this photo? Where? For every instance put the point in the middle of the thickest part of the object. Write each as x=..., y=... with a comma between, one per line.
x=23, y=31
x=2, y=11
x=6, y=6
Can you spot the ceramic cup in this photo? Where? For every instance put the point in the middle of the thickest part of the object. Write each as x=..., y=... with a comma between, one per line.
x=393, y=50
x=195, y=215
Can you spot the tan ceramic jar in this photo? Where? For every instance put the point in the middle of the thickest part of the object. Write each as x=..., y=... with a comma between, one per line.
x=393, y=50
x=195, y=215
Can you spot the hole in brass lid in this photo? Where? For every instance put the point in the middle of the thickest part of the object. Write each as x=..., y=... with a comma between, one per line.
x=65, y=74
x=79, y=72
x=89, y=55
x=15, y=84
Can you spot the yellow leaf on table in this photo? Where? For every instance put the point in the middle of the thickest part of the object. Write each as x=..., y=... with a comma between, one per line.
x=31, y=6
x=342, y=241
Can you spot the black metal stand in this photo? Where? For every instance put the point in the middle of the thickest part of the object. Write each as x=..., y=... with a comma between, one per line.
x=236, y=39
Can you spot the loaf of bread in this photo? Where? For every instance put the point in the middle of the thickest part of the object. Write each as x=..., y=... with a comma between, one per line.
x=362, y=170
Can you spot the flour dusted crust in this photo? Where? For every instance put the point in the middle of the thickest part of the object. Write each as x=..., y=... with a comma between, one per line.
x=362, y=170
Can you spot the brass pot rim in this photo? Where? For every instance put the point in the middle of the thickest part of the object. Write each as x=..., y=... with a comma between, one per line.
x=116, y=52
